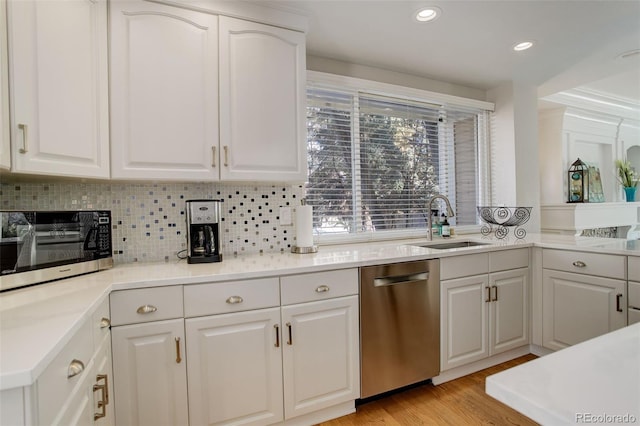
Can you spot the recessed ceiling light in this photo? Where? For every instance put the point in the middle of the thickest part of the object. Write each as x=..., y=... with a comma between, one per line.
x=427, y=14
x=522, y=46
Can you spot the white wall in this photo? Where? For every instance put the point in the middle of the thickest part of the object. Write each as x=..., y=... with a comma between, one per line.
x=332, y=66
x=515, y=159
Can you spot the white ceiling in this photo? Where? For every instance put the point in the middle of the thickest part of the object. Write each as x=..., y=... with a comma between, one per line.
x=576, y=41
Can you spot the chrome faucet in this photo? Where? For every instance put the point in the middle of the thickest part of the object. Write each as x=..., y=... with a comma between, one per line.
x=450, y=212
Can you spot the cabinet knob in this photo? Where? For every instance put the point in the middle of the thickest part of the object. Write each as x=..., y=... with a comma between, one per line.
x=75, y=367
x=146, y=309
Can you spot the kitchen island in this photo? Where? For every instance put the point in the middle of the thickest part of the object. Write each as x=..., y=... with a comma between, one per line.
x=597, y=381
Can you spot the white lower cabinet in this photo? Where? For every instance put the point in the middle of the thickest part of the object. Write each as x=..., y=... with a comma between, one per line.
x=235, y=368
x=150, y=380
x=578, y=306
x=320, y=355
x=74, y=388
x=241, y=357
x=483, y=314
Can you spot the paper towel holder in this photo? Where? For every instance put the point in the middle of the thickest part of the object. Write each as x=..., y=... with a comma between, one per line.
x=304, y=249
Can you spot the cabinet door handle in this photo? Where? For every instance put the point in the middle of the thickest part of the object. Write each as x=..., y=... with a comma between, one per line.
x=105, y=323
x=25, y=138
x=178, y=357
x=322, y=289
x=213, y=156
x=277, y=344
x=495, y=297
x=102, y=403
x=290, y=341
x=579, y=264
x=75, y=367
x=106, y=386
x=146, y=309
x=618, y=304
x=226, y=156
x=488, y=298
x=234, y=300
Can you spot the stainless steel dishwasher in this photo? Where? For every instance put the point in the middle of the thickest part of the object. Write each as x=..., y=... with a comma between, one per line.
x=399, y=325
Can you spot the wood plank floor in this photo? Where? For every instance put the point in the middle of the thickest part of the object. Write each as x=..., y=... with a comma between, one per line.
x=459, y=402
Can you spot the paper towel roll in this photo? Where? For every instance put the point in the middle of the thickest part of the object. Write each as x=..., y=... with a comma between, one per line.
x=304, y=226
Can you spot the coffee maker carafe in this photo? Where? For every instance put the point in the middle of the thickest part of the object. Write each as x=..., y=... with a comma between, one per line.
x=203, y=231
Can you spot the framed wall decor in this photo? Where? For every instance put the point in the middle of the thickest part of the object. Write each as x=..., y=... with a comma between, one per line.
x=596, y=195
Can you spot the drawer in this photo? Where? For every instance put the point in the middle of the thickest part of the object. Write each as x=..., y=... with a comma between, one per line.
x=232, y=296
x=318, y=286
x=464, y=266
x=146, y=304
x=633, y=267
x=54, y=385
x=634, y=295
x=100, y=322
x=604, y=265
x=508, y=259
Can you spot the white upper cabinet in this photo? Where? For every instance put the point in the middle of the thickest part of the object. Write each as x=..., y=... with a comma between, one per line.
x=5, y=142
x=172, y=68
x=262, y=102
x=59, y=87
x=164, y=92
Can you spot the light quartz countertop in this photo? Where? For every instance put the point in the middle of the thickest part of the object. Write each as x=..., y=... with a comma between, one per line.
x=38, y=321
x=596, y=381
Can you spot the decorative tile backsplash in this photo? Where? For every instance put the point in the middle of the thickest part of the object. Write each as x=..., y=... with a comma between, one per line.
x=149, y=218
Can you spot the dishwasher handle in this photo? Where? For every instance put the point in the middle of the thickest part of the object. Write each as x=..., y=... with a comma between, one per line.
x=400, y=279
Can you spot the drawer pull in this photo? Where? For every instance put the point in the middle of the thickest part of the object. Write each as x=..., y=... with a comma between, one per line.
x=146, y=309
x=178, y=357
x=226, y=155
x=213, y=156
x=105, y=323
x=494, y=298
x=322, y=289
x=234, y=300
x=579, y=264
x=277, y=344
x=75, y=367
x=290, y=341
x=488, y=298
x=618, y=304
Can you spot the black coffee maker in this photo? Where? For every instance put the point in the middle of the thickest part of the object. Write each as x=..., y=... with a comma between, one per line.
x=203, y=231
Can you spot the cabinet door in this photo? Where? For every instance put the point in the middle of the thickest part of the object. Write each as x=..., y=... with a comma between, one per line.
x=508, y=310
x=578, y=307
x=103, y=406
x=262, y=102
x=164, y=92
x=235, y=368
x=59, y=82
x=150, y=377
x=320, y=354
x=464, y=334
x=5, y=142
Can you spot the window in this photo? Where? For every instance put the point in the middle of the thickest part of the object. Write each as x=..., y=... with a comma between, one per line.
x=375, y=160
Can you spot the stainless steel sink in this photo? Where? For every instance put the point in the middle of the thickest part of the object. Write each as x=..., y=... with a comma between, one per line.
x=452, y=244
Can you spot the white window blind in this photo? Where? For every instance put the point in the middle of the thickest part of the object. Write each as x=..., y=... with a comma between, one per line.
x=374, y=161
